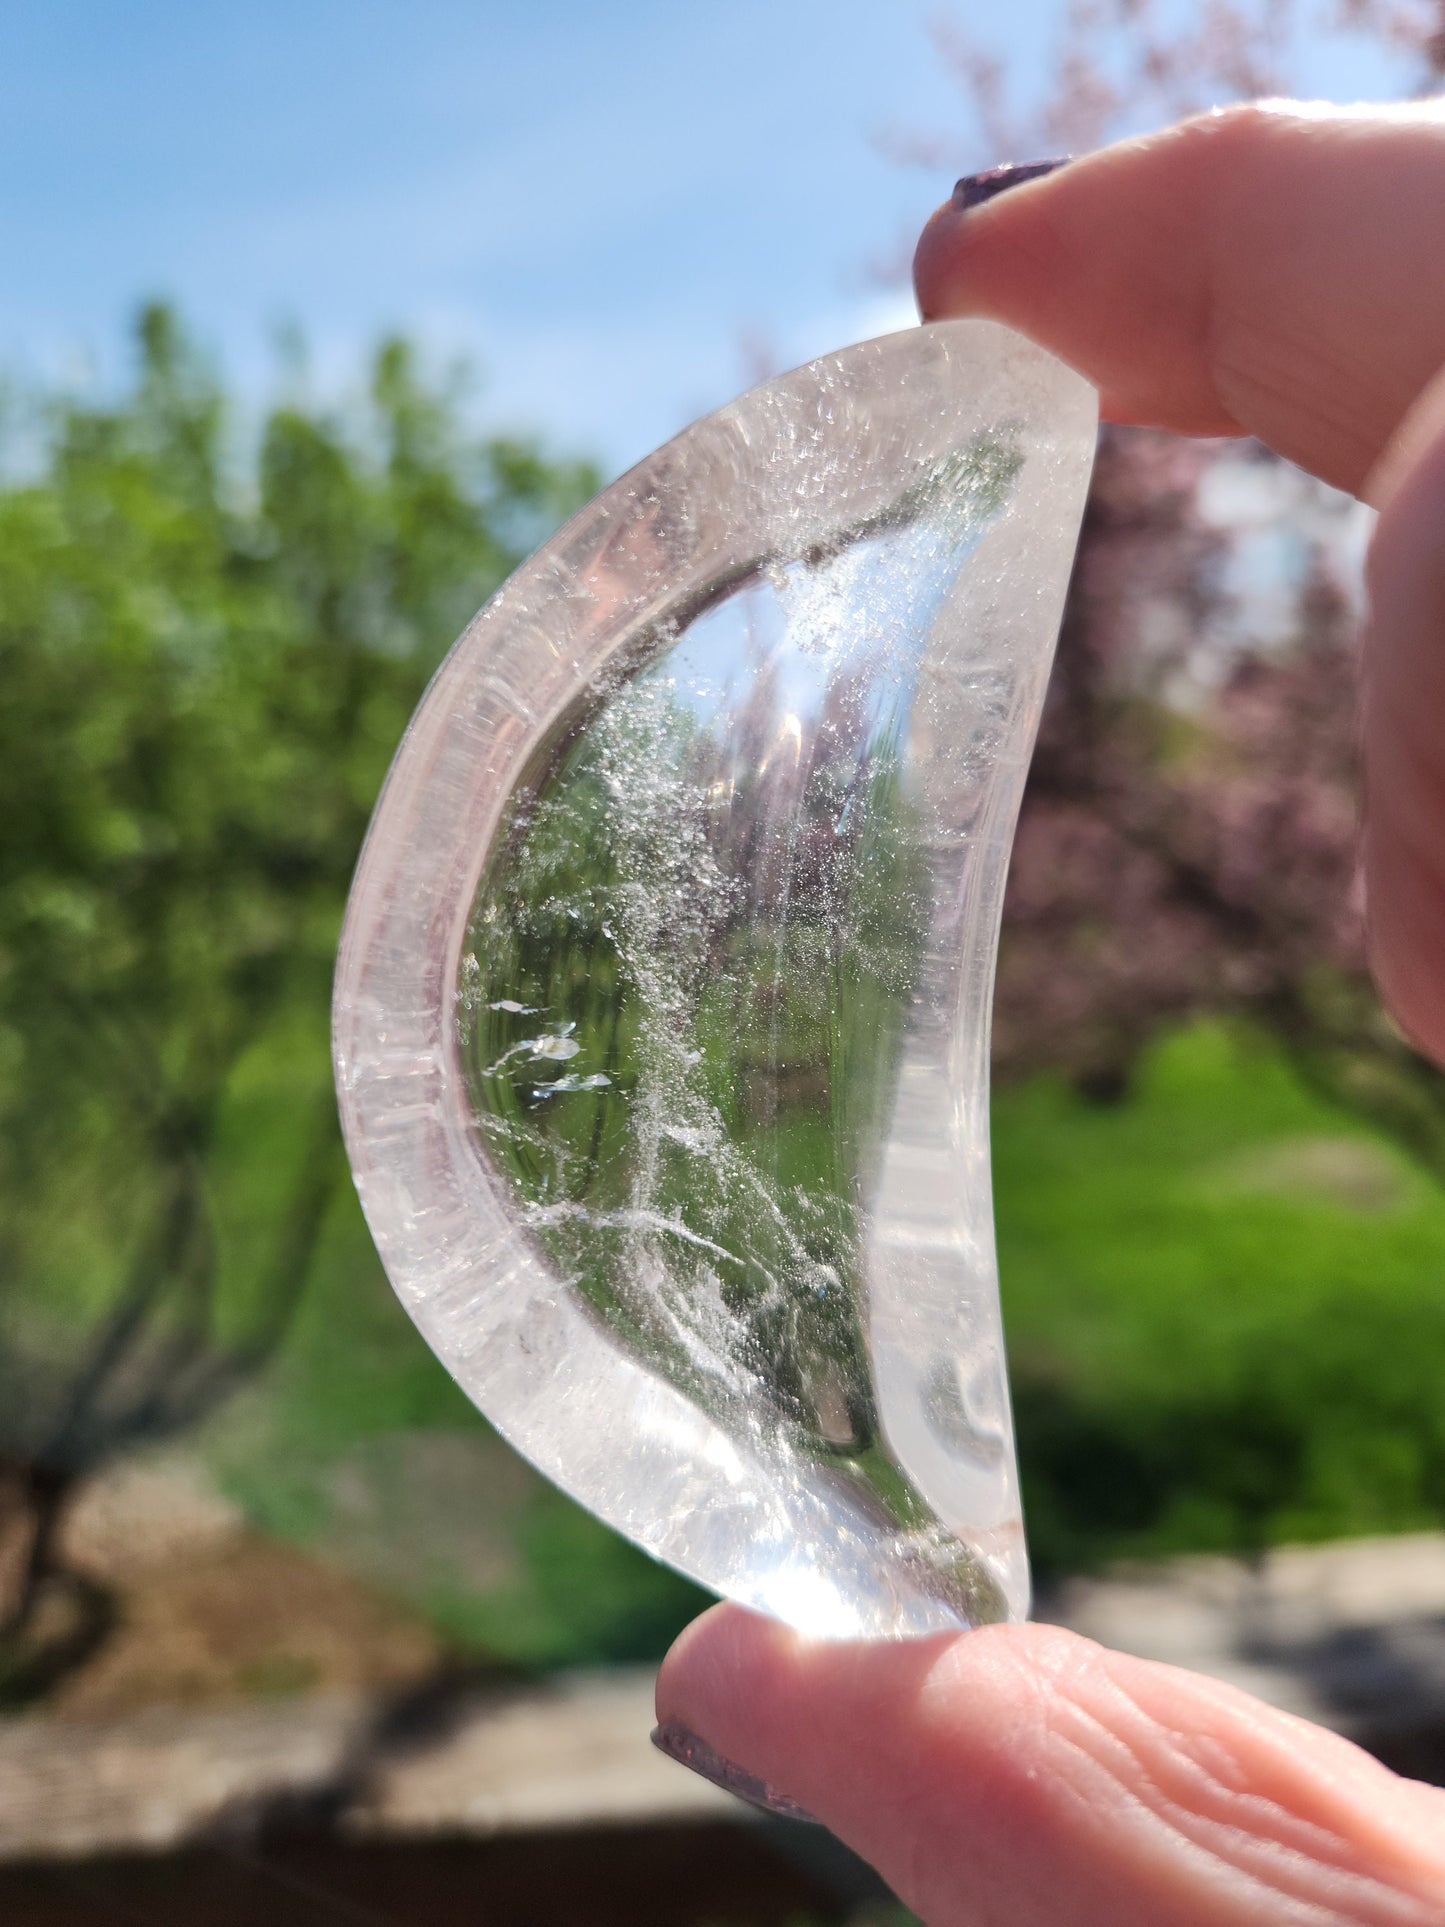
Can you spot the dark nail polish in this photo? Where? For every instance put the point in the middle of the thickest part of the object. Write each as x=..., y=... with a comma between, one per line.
x=680, y=1743
x=974, y=189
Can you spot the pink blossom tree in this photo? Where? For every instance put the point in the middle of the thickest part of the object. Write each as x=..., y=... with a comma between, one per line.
x=1187, y=843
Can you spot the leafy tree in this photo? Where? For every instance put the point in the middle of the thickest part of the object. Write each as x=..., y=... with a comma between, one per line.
x=207, y=660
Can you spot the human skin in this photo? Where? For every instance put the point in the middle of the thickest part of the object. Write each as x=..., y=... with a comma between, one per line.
x=1274, y=271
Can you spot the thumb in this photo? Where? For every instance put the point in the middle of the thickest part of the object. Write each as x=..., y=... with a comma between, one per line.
x=1403, y=711
x=1022, y=1775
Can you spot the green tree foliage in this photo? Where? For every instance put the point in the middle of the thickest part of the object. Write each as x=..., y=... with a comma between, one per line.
x=207, y=662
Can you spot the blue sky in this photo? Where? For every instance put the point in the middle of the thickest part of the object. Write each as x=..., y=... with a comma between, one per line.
x=599, y=204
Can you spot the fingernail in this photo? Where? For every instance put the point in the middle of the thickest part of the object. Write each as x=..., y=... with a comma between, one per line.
x=974, y=189
x=680, y=1743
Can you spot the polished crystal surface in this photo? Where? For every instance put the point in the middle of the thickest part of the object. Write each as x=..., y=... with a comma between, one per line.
x=663, y=1005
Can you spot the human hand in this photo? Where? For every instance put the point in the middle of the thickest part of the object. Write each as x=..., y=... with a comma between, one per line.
x=1274, y=271
x=1279, y=273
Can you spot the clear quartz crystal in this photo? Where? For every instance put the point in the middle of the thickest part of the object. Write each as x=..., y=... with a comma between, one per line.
x=662, y=1012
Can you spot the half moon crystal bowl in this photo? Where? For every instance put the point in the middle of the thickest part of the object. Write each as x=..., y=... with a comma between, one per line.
x=662, y=1009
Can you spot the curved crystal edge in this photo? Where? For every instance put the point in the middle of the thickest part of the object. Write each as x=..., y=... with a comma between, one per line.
x=613, y=1434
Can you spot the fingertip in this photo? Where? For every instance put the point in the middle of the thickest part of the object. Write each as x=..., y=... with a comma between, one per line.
x=935, y=260
x=986, y=260
x=1406, y=926
x=1085, y=261
x=1403, y=701
x=1237, y=273
x=721, y=1657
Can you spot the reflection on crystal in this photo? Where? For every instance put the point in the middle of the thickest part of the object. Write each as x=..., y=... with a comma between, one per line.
x=720, y=1013
x=719, y=894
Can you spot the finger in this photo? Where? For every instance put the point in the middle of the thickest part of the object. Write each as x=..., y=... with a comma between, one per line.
x=1404, y=728
x=1020, y=1774
x=1273, y=271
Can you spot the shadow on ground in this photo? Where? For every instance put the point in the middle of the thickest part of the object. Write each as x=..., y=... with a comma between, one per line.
x=674, y=1876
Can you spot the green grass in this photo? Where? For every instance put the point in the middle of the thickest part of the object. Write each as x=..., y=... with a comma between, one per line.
x=1225, y=1306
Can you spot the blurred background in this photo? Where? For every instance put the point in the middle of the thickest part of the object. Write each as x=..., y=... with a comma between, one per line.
x=313, y=322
